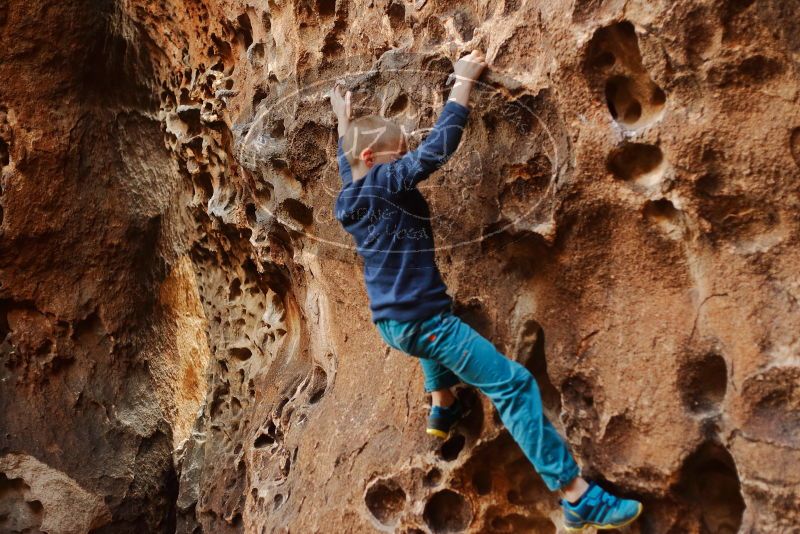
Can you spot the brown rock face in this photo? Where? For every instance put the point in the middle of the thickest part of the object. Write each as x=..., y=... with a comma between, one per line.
x=185, y=342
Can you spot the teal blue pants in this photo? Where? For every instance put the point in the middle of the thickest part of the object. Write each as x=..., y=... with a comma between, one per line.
x=450, y=352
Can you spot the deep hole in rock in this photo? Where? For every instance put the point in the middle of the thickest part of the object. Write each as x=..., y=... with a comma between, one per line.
x=447, y=511
x=638, y=162
x=397, y=14
x=617, y=40
x=660, y=210
x=235, y=290
x=318, y=385
x=190, y=115
x=326, y=8
x=257, y=52
x=278, y=129
x=472, y=422
x=4, y=154
x=433, y=477
x=250, y=213
x=482, y=481
x=245, y=31
x=622, y=103
x=633, y=98
x=240, y=353
x=259, y=94
x=709, y=482
x=263, y=440
x=385, y=500
x=298, y=211
x=664, y=215
x=202, y=181
x=398, y=106
x=532, y=356
x=703, y=382
x=451, y=448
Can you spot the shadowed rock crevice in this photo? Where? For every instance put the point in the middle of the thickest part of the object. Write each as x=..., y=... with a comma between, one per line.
x=633, y=98
x=385, y=500
x=703, y=383
x=447, y=511
x=710, y=482
x=639, y=163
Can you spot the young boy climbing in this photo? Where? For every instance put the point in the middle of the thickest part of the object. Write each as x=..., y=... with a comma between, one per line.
x=389, y=219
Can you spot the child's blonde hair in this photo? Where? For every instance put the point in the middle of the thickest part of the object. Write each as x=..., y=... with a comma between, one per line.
x=372, y=131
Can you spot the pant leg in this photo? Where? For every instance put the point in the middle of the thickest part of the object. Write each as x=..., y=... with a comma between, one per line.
x=437, y=376
x=510, y=386
x=399, y=335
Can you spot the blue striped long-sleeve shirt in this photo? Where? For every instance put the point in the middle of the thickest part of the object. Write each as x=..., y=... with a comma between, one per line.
x=389, y=220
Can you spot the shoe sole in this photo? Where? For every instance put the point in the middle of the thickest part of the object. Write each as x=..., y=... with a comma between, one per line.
x=608, y=526
x=437, y=433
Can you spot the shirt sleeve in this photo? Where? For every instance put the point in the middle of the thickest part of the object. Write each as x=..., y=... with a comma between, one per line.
x=434, y=151
x=344, y=166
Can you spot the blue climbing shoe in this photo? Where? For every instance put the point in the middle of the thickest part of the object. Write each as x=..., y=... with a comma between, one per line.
x=442, y=419
x=599, y=509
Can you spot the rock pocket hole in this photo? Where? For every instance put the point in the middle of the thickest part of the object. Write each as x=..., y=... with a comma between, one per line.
x=245, y=31
x=709, y=482
x=398, y=106
x=5, y=157
x=633, y=98
x=451, y=448
x=326, y=8
x=634, y=103
x=397, y=14
x=318, y=385
x=235, y=290
x=447, y=511
x=202, y=182
x=533, y=358
x=703, y=383
x=297, y=211
x=433, y=477
x=482, y=481
x=472, y=422
x=665, y=215
x=263, y=440
x=637, y=162
x=385, y=500
x=240, y=353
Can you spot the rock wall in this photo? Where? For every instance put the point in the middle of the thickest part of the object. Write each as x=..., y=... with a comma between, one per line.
x=185, y=338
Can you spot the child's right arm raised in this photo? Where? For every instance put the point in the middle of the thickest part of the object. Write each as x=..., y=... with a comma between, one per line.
x=443, y=139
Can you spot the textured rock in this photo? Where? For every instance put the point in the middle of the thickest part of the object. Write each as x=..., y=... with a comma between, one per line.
x=184, y=330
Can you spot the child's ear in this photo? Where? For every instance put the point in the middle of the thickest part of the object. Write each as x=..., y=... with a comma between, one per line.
x=368, y=157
